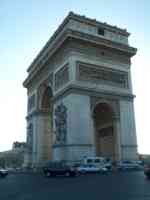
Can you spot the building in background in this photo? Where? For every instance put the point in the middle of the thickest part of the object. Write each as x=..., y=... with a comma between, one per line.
x=80, y=99
x=14, y=157
x=19, y=146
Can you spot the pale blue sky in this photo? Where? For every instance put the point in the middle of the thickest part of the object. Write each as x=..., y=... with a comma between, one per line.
x=25, y=26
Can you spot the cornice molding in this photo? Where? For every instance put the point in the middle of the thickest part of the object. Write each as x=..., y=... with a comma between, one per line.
x=82, y=19
x=94, y=22
x=37, y=113
x=129, y=145
x=131, y=51
x=74, y=88
x=72, y=145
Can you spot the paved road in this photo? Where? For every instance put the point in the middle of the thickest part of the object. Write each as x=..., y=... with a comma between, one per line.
x=116, y=186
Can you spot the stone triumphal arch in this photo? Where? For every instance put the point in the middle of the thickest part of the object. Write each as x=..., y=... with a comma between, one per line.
x=80, y=100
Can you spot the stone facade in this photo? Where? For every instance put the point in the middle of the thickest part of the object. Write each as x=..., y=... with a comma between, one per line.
x=80, y=100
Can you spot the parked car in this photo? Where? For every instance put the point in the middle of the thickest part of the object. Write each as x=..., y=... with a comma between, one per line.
x=147, y=170
x=3, y=172
x=97, y=161
x=101, y=162
x=10, y=169
x=108, y=165
x=54, y=168
x=90, y=168
x=128, y=165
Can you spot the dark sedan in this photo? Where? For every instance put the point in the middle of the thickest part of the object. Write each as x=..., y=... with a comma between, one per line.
x=58, y=168
x=147, y=170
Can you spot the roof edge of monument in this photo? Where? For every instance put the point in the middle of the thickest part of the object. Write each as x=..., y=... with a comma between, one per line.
x=80, y=18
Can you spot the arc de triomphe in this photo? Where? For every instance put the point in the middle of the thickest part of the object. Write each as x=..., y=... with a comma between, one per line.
x=80, y=100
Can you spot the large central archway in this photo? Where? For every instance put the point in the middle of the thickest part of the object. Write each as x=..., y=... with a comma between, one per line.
x=104, y=130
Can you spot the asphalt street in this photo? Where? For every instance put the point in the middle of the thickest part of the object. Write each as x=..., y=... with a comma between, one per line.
x=114, y=186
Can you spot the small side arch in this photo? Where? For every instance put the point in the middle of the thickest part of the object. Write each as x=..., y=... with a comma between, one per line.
x=45, y=95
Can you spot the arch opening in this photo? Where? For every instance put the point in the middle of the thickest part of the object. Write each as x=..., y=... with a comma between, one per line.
x=45, y=123
x=103, y=115
x=46, y=103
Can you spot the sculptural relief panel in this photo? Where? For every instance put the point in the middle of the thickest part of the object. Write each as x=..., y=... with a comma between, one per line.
x=61, y=77
x=101, y=75
x=60, y=123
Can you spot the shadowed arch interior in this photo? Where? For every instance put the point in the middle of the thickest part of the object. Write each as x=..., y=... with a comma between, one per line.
x=104, y=130
x=46, y=103
x=46, y=122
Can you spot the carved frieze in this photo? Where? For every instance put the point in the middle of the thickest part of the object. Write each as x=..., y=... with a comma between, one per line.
x=102, y=75
x=61, y=77
x=60, y=123
x=104, y=54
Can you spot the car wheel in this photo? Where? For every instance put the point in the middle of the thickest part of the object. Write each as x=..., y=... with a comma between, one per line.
x=148, y=177
x=48, y=174
x=73, y=174
x=68, y=174
x=77, y=173
x=83, y=172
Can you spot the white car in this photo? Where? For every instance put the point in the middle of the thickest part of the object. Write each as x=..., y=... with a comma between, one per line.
x=101, y=162
x=90, y=168
x=3, y=172
x=128, y=165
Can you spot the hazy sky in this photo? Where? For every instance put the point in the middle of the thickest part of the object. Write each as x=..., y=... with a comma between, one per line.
x=26, y=25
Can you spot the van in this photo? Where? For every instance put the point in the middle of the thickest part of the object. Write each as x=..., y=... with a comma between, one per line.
x=97, y=161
